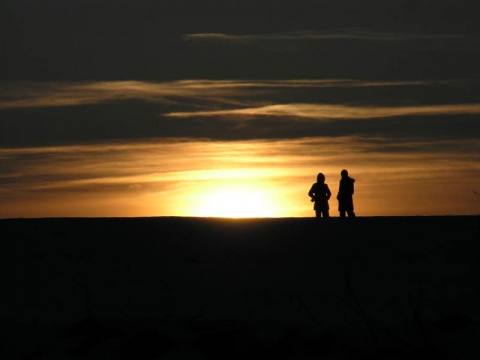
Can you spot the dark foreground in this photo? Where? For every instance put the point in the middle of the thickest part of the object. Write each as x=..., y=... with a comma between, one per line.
x=191, y=288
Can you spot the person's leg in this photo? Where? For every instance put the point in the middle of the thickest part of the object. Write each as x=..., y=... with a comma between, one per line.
x=326, y=213
x=351, y=213
x=317, y=213
x=342, y=213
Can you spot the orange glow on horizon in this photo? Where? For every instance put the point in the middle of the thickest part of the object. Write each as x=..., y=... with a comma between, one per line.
x=237, y=179
x=235, y=201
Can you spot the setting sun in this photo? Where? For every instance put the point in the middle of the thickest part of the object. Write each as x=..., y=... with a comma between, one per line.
x=235, y=202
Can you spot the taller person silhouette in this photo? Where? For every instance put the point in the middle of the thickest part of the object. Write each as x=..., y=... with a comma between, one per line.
x=320, y=194
x=345, y=194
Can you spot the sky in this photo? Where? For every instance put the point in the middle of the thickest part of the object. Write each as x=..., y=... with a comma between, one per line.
x=231, y=108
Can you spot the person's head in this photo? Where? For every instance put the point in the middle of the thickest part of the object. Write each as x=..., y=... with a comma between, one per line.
x=344, y=173
x=320, y=178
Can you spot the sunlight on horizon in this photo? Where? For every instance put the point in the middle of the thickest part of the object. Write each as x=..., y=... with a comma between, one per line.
x=237, y=179
x=235, y=202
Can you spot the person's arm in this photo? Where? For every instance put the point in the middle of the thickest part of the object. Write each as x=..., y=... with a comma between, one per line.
x=329, y=193
x=311, y=193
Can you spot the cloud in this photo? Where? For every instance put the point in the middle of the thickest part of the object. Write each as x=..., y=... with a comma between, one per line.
x=331, y=34
x=58, y=94
x=171, y=160
x=163, y=177
x=327, y=112
x=248, y=109
x=71, y=94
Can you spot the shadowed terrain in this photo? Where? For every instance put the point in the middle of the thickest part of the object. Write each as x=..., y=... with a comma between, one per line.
x=207, y=288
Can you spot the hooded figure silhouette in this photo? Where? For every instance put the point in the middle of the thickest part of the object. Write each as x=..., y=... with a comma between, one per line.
x=320, y=194
x=345, y=194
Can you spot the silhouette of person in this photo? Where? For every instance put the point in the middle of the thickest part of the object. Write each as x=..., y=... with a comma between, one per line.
x=345, y=194
x=320, y=194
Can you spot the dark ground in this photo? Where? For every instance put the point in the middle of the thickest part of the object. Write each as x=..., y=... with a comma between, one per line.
x=199, y=288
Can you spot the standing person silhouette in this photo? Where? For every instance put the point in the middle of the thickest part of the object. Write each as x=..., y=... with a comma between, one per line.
x=345, y=195
x=320, y=194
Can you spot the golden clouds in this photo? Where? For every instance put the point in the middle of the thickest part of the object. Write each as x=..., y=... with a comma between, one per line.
x=325, y=112
x=221, y=98
x=56, y=94
x=180, y=177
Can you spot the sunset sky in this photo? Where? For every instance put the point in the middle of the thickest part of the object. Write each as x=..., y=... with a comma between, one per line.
x=232, y=107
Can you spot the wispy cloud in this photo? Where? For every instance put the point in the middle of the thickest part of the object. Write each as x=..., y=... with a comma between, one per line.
x=56, y=94
x=20, y=95
x=135, y=164
x=326, y=112
x=172, y=174
x=331, y=34
x=249, y=109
